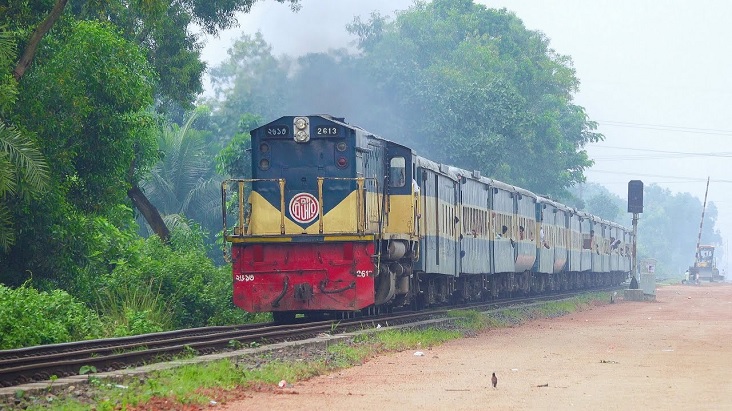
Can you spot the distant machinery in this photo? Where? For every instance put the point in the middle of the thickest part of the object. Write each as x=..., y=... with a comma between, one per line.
x=705, y=267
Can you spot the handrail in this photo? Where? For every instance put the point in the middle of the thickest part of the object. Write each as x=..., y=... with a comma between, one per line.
x=241, y=185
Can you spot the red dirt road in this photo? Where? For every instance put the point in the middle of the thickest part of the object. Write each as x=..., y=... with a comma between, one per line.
x=672, y=354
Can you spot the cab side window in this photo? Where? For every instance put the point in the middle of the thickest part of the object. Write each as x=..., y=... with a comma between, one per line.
x=397, y=172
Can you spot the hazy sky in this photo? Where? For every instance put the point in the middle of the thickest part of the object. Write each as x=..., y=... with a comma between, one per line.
x=655, y=75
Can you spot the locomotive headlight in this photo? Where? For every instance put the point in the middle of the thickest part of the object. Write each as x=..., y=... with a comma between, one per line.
x=301, y=136
x=301, y=123
x=302, y=130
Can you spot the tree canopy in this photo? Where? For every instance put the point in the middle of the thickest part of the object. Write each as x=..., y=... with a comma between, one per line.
x=92, y=84
x=471, y=86
x=460, y=83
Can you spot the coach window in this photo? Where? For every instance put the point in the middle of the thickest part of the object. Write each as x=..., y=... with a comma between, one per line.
x=397, y=170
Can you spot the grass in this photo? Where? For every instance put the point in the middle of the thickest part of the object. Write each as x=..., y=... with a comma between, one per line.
x=136, y=310
x=192, y=384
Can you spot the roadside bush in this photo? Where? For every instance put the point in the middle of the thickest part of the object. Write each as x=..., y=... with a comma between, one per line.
x=29, y=317
x=136, y=309
x=174, y=286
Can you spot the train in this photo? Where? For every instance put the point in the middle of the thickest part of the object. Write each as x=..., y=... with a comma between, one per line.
x=338, y=221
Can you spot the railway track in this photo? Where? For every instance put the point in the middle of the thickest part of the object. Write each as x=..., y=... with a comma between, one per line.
x=40, y=363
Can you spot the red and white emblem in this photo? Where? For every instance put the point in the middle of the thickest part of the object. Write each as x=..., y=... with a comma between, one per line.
x=304, y=208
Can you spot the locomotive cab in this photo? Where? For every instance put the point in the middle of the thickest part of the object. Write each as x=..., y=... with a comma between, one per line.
x=311, y=230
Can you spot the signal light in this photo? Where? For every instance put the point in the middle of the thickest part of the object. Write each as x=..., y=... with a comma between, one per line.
x=635, y=196
x=342, y=162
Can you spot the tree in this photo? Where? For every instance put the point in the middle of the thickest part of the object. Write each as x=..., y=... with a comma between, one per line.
x=669, y=228
x=235, y=159
x=161, y=26
x=23, y=169
x=97, y=89
x=183, y=183
x=599, y=201
x=604, y=206
x=88, y=104
x=473, y=87
x=253, y=81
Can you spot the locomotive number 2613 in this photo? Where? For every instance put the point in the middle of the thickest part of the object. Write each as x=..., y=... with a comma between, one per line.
x=326, y=131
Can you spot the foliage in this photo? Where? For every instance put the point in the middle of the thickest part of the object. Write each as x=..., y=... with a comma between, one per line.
x=29, y=317
x=669, y=228
x=140, y=309
x=460, y=83
x=599, y=201
x=468, y=319
x=164, y=29
x=94, y=87
x=251, y=80
x=497, y=91
x=183, y=184
x=405, y=340
x=23, y=169
x=181, y=280
x=235, y=159
x=604, y=206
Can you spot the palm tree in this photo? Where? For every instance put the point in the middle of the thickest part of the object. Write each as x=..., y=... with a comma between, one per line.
x=183, y=184
x=23, y=169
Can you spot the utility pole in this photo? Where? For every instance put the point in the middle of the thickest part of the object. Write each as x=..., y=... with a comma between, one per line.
x=701, y=223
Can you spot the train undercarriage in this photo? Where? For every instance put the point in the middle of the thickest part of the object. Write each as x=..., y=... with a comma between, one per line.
x=429, y=290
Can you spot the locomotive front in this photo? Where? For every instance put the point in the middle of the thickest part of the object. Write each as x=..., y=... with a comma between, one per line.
x=302, y=228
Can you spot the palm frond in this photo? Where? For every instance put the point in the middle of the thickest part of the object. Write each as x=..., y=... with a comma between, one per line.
x=204, y=198
x=7, y=175
x=7, y=235
x=7, y=47
x=26, y=158
x=175, y=221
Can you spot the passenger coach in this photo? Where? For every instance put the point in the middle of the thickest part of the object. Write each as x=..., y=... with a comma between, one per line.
x=336, y=220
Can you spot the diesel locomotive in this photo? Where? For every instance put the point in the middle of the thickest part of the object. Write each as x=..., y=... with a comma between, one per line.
x=337, y=220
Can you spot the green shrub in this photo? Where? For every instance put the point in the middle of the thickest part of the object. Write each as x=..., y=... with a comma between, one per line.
x=179, y=279
x=29, y=317
x=137, y=309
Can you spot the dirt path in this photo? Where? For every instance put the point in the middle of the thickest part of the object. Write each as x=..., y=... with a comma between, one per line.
x=672, y=354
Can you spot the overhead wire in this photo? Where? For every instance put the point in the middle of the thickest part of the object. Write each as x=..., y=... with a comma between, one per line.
x=662, y=127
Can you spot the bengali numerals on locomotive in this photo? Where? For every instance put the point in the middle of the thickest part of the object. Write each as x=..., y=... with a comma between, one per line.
x=244, y=277
x=277, y=131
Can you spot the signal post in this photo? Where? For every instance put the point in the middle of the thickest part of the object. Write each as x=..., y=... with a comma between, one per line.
x=635, y=206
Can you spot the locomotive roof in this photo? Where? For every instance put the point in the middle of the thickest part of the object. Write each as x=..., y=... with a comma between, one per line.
x=341, y=121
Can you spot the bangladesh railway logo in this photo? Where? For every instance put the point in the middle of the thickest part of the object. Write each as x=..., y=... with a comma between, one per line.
x=304, y=208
